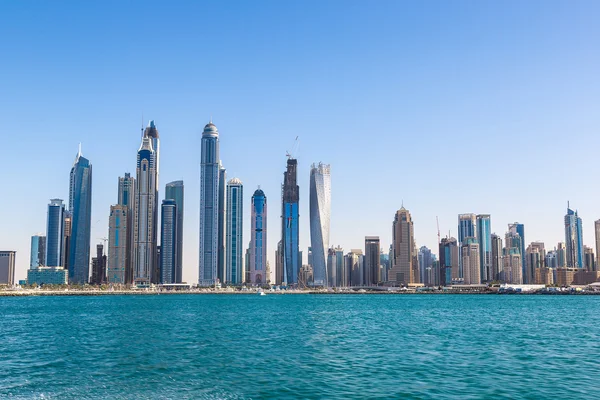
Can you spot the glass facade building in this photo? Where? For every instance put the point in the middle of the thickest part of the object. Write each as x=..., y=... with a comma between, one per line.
x=320, y=215
x=174, y=191
x=38, y=251
x=574, y=240
x=258, y=241
x=118, y=229
x=209, y=206
x=168, y=241
x=484, y=237
x=234, y=232
x=126, y=198
x=290, y=222
x=55, y=232
x=80, y=208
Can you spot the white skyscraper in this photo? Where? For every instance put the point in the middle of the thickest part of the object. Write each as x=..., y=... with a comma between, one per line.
x=145, y=218
x=320, y=213
x=209, y=206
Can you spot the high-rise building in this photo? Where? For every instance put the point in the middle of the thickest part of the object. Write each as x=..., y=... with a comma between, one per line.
x=597, y=237
x=209, y=206
x=152, y=133
x=331, y=268
x=67, y=236
x=118, y=239
x=290, y=222
x=80, y=208
x=520, y=230
x=470, y=261
x=574, y=240
x=484, y=237
x=258, y=241
x=425, y=263
x=174, y=191
x=384, y=262
x=342, y=276
x=467, y=228
x=561, y=255
x=126, y=198
x=354, y=266
x=99, y=266
x=449, y=256
x=221, y=257
x=320, y=214
x=279, y=271
x=496, y=257
x=512, y=258
x=7, y=267
x=55, y=231
x=551, y=261
x=168, y=241
x=38, y=251
x=234, y=243
x=372, y=251
x=146, y=211
x=536, y=257
x=590, y=260
x=403, y=248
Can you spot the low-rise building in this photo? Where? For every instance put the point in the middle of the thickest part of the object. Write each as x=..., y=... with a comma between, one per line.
x=47, y=276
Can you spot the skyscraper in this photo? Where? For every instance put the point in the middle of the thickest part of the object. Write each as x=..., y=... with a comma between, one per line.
x=118, y=230
x=331, y=268
x=536, y=259
x=496, y=257
x=574, y=240
x=80, y=207
x=467, y=228
x=67, y=232
x=55, y=233
x=520, y=230
x=470, y=261
x=126, y=198
x=279, y=271
x=234, y=233
x=484, y=237
x=209, y=206
x=38, y=251
x=258, y=240
x=403, y=247
x=221, y=258
x=320, y=213
x=371, y=268
x=449, y=255
x=425, y=264
x=354, y=266
x=512, y=258
x=174, y=191
x=7, y=267
x=597, y=236
x=290, y=222
x=145, y=213
x=590, y=260
x=168, y=241
x=99, y=266
x=561, y=255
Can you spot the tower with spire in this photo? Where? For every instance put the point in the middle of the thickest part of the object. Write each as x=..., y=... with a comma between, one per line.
x=80, y=210
x=145, y=256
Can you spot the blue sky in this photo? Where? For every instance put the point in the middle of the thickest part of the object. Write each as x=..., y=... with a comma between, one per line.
x=447, y=106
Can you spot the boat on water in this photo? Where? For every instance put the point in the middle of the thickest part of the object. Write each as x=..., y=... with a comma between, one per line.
x=261, y=293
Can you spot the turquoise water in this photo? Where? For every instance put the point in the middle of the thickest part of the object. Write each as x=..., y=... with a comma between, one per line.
x=300, y=346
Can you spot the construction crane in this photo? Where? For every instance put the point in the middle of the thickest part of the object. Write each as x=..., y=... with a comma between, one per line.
x=290, y=154
x=105, y=240
x=438, y=226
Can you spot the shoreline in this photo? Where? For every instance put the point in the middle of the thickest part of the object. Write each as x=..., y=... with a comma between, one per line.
x=33, y=293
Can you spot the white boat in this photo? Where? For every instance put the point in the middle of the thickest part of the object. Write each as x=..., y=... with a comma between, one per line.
x=261, y=293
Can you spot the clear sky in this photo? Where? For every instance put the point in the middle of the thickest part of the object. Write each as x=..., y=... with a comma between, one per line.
x=447, y=106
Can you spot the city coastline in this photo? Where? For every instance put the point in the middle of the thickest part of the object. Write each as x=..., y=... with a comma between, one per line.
x=92, y=292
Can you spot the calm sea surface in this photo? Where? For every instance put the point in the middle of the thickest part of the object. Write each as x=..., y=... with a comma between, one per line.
x=300, y=346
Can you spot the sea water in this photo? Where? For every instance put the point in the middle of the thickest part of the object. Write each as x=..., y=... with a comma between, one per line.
x=300, y=346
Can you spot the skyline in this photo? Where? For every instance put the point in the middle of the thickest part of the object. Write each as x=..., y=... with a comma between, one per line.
x=517, y=104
